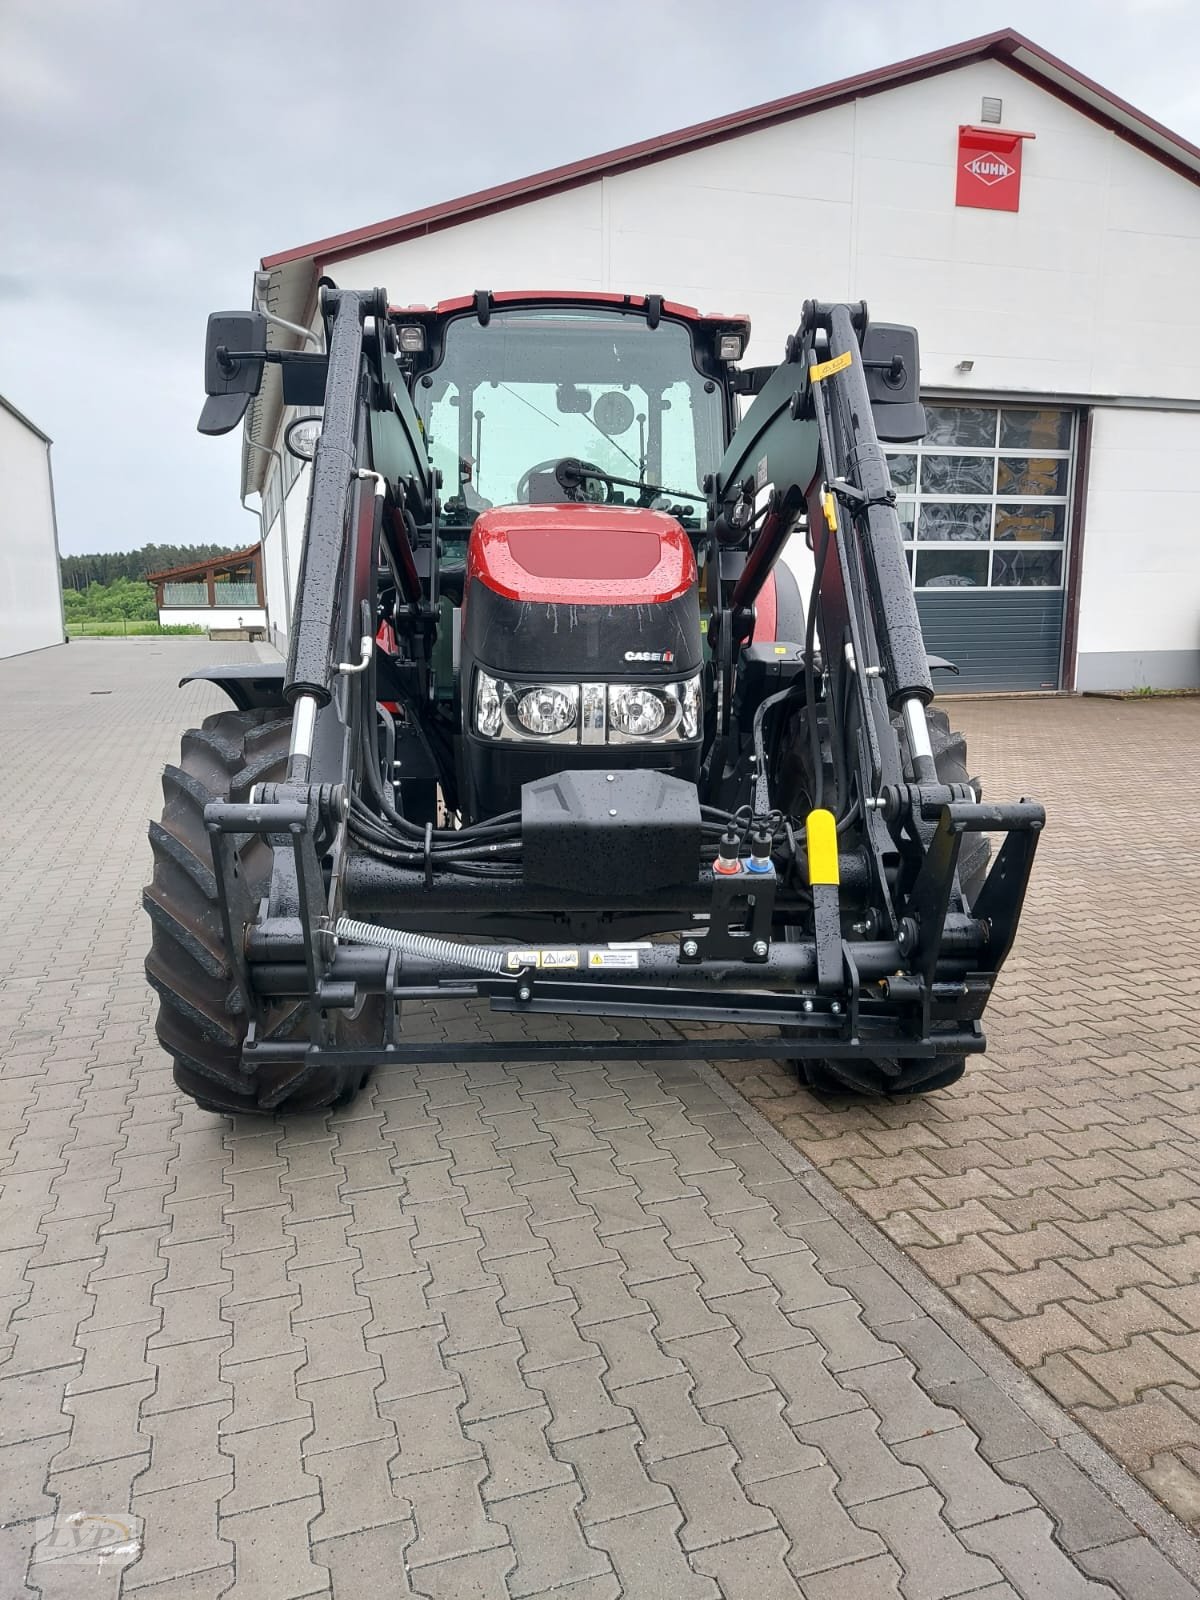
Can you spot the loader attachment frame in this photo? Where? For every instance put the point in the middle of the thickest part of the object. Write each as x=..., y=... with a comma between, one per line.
x=853, y=938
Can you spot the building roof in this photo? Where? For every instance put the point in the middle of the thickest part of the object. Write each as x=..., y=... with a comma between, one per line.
x=8, y=406
x=293, y=273
x=198, y=569
x=1013, y=49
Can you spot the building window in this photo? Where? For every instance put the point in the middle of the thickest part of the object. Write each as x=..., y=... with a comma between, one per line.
x=983, y=498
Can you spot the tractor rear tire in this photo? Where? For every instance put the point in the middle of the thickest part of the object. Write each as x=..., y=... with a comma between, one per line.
x=892, y=1078
x=202, y=1019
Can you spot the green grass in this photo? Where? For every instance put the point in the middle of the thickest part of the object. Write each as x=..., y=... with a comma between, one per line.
x=122, y=628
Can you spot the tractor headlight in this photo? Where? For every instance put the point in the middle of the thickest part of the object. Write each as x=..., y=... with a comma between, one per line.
x=635, y=710
x=487, y=706
x=547, y=710
x=587, y=713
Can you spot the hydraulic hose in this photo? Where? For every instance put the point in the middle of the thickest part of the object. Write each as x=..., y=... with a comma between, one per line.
x=484, y=958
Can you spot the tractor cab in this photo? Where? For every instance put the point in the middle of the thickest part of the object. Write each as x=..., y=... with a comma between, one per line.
x=574, y=438
x=557, y=399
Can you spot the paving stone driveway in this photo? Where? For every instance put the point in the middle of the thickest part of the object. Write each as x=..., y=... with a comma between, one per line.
x=1055, y=1192
x=585, y=1330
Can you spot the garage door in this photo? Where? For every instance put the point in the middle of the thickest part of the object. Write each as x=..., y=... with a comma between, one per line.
x=984, y=505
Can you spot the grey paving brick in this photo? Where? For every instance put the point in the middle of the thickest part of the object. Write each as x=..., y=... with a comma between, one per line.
x=183, y=1447
x=518, y=1455
x=1021, y=1546
x=42, y=1342
x=752, y=1566
x=344, y=1411
x=412, y=1362
x=811, y=1390
x=668, y=1417
x=23, y=1472
x=1083, y=1515
x=1137, y=1571
x=615, y=1482
x=720, y=1371
x=272, y=1553
x=603, y=1293
x=679, y=1310
x=715, y=1508
x=545, y=1533
x=180, y=1534
x=429, y=1431
x=1004, y=1429
x=449, y=1514
x=267, y=1466
x=188, y=1375
x=579, y=1402
x=369, y=1561
x=357, y=1490
x=934, y=1562
x=649, y=1561
x=495, y=1383
x=906, y=1410
x=766, y=1446
x=264, y=1392
x=867, y=1468
x=972, y=1490
x=878, y=1578
x=475, y=1577
x=266, y=1330
x=821, y=1531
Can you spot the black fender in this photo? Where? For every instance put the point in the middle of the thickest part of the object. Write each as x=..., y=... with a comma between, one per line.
x=250, y=684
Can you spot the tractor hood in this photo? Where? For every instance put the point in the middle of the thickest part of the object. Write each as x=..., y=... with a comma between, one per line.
x=581, y=555
x=582, y=589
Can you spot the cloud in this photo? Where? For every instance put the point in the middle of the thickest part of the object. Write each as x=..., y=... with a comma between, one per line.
x=150, y=154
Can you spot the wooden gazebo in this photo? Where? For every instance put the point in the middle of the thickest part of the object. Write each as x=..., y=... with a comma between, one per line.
x=232, y=582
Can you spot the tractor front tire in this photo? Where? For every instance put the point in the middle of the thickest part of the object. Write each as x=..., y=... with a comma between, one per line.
x=202, y=1018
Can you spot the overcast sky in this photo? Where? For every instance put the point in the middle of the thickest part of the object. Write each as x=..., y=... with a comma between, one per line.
x=151, y=153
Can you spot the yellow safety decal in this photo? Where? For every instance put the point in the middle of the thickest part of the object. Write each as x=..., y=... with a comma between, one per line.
x=781, y=649
x=821, y=830
x=829, y=506
x=826, y=369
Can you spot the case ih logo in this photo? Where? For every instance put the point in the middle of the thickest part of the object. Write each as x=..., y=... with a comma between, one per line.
x=989, y=168
x=650, y=655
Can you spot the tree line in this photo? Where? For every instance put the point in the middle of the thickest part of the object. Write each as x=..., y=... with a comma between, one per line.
x=79, y=572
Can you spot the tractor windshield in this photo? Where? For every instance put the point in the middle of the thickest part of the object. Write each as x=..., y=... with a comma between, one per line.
x=511, y=400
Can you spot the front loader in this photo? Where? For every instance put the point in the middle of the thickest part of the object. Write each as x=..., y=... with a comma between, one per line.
x=559, y=729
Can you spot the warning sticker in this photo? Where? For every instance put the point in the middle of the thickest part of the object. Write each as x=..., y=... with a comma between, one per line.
x=613, y=958
x=826, y=369
x=559, y=958
x=760, y=474
x=546, y=959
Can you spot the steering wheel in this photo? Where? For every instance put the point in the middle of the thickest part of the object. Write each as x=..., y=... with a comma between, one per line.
x=595, y=487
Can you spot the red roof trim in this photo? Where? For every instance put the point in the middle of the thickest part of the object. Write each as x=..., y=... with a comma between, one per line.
x=1003, y=45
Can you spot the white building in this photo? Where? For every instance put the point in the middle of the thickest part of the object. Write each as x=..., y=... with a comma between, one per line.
x=1053, y=508
x=31, y=609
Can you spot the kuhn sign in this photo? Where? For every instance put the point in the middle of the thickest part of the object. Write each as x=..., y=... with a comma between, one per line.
x=989, y=168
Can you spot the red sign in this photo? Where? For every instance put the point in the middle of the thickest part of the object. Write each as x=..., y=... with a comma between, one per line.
x=989, y=168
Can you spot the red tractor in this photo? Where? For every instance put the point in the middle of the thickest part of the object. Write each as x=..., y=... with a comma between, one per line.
x=558, y=728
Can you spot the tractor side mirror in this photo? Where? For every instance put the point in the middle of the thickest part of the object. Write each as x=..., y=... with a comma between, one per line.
x=892, y=359
x=234, y=355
